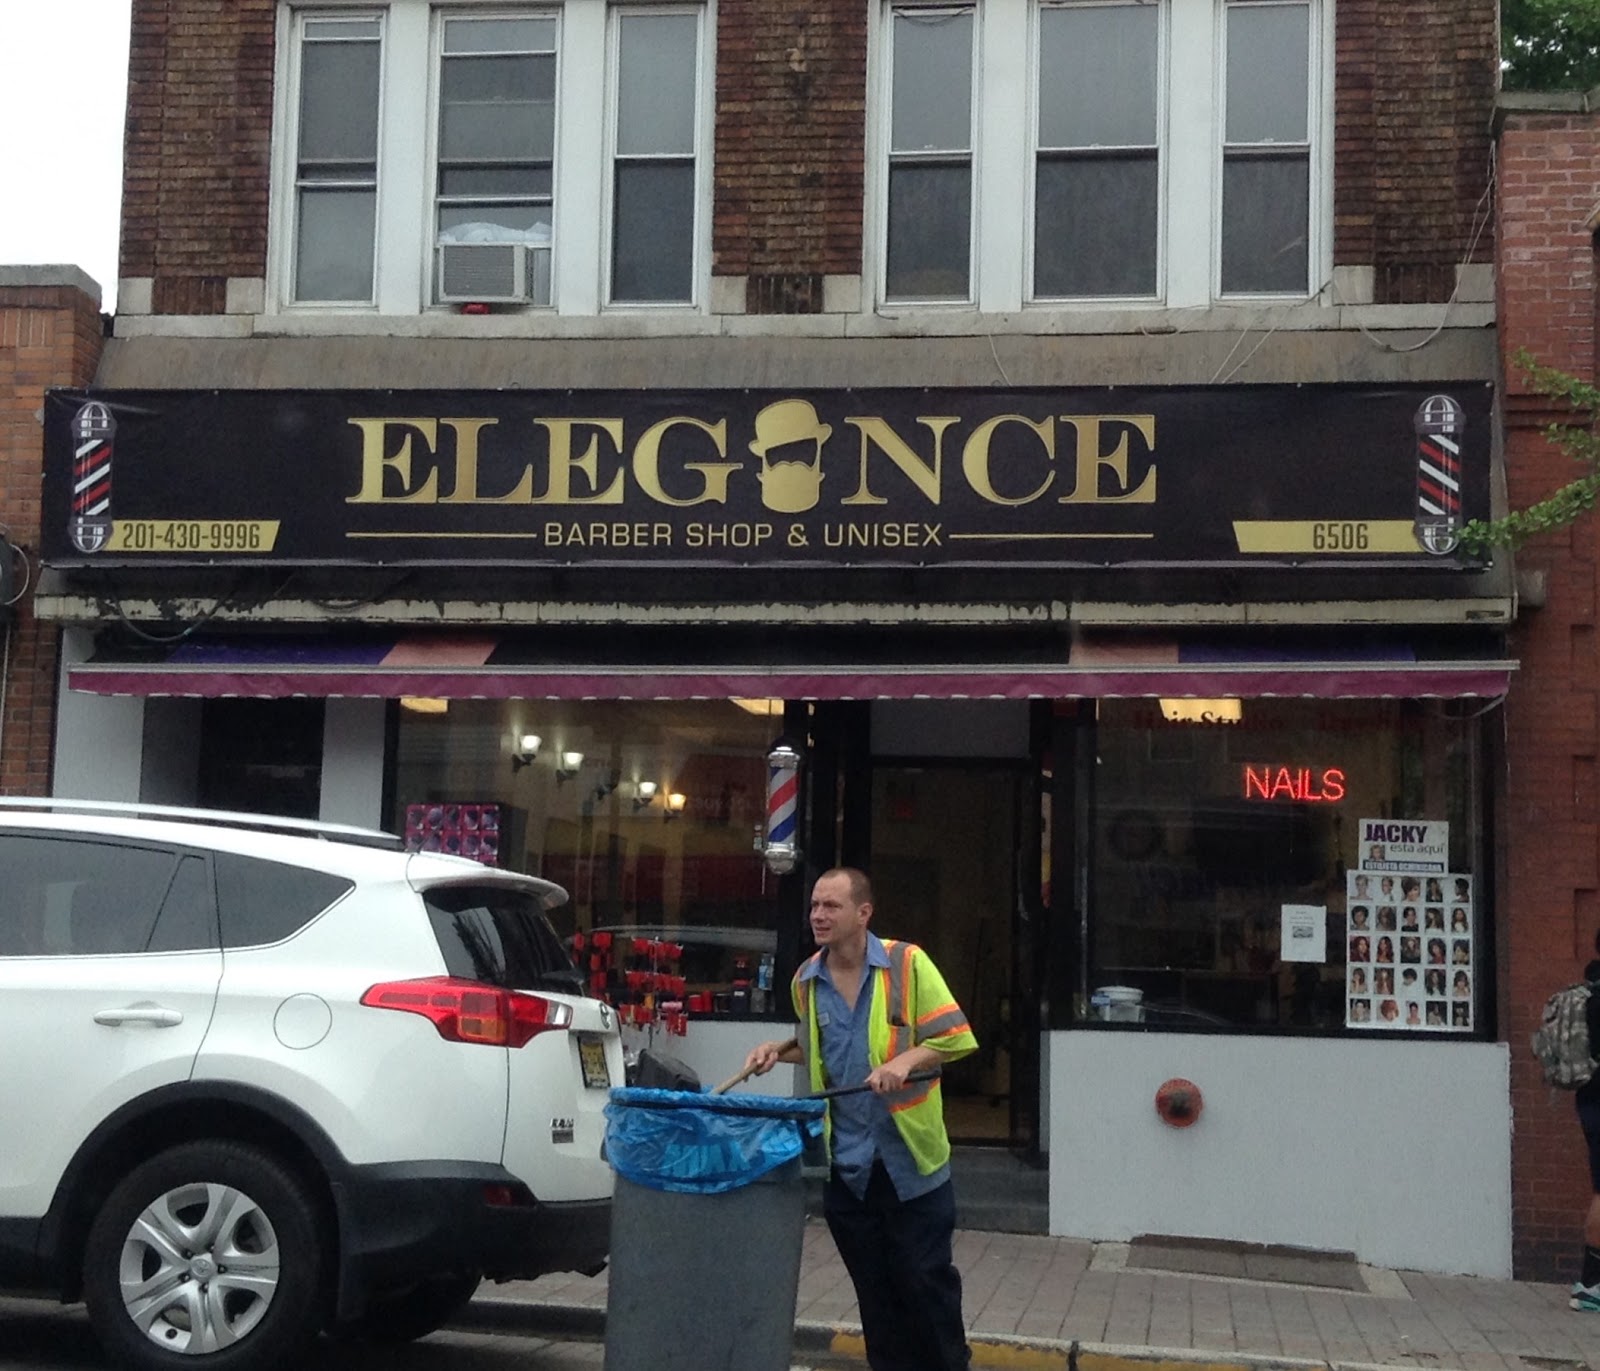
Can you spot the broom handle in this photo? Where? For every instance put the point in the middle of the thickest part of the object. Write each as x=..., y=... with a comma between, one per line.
x=749, y=1071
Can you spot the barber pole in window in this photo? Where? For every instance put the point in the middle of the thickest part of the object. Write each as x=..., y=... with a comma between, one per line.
x=1439, y=424
x=93, y=429
x=781, y=850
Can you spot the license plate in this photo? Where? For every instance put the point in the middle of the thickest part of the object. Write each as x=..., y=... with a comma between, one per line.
x=592, y=1057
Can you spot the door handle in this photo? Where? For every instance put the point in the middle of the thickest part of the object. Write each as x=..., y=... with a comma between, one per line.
x=153, y=1015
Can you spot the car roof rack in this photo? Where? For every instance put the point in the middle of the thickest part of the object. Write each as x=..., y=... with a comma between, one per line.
x=222, y=818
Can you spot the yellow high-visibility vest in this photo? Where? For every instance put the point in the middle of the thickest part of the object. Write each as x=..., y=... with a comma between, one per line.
x=911, y=1007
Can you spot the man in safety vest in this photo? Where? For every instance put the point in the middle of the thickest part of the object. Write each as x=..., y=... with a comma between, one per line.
x=878, y=1011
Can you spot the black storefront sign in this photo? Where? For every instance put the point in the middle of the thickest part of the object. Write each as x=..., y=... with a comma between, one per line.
x=1308, y=475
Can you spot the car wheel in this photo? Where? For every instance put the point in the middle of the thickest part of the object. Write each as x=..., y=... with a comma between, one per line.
x=206, y=1256
x=405, y=1315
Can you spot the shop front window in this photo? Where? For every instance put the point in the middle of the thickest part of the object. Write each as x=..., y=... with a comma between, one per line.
x=649, y=813
x=1287, y=864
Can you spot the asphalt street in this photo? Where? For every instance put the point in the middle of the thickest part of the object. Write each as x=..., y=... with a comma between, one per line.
x=39, y=1335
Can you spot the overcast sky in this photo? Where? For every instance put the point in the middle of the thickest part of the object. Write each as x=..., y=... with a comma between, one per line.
x=63, y=84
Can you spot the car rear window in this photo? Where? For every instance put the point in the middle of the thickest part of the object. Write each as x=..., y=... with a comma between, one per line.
x=264, y=902
x=499, y=936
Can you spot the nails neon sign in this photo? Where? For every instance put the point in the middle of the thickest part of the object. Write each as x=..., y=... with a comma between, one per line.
x=1303, y=784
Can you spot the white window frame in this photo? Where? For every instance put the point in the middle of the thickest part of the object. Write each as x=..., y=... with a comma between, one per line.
x=704, y=120
x=285, y=217
x=435, y=108
x=1190, y=128
x=883, y=163
x=405, y=231
x=1163, y=158
x=1319, y=123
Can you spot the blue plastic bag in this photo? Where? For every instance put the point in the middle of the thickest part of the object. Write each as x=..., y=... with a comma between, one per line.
x=704, y=1144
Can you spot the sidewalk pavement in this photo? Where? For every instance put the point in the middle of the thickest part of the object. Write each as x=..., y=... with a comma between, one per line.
x=1048, y=1303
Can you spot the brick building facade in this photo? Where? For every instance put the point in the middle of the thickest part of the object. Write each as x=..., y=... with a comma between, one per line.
x=51, y=332
x=1548, y=189
x=828, y=363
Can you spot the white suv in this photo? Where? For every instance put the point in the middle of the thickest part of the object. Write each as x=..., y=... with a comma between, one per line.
x=263, y=1078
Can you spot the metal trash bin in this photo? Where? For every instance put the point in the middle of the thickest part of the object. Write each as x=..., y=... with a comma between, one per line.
x=707, y=1223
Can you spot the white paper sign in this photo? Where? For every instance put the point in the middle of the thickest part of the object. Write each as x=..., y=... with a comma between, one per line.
x=1305, y=933
x=1405, y=845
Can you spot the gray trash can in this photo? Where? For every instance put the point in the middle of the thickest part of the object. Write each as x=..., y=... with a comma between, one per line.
x=707, y=1223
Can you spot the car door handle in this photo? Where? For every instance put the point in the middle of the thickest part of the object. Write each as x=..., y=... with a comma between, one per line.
x=153, y=1015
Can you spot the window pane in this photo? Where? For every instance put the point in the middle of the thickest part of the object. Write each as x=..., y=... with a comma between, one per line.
x=333, y=249
x=499, y=35
x=653, y=246
x=500, y=937
x=264, y=902
x=932, y=82
x=694, y=879
x=498, y=107
x=656, y=84
x=1097, y=76
x=930, y=227
x=62, y=896
x=186, y=921
x=516, y=130
x=494, y=223
x=1095, y=227
x=1201, y=833
x=1269, y=57
x=339, y=102
x=519, y=182
x=1265, y=211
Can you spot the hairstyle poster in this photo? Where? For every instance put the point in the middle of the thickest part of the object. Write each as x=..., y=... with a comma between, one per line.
x=1409, y=960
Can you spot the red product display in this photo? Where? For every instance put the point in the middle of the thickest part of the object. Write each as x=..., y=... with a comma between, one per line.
x=462, y=830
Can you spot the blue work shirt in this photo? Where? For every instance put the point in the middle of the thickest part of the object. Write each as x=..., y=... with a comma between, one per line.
x=863, y=1128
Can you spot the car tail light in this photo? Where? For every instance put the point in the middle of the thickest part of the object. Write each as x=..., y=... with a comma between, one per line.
x=471, y=1012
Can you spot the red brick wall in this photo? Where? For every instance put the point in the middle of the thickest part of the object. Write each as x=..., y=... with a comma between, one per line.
x=1549, y=181
x=197, y=148
x=790, y=131
x=49, y=336
x=1412, y=99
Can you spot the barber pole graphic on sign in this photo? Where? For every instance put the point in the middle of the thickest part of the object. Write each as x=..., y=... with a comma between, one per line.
x=1439, y=423
x=781, y=850
x=93, y=429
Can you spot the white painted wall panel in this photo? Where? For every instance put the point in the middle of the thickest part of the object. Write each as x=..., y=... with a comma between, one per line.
x=1397, y=1151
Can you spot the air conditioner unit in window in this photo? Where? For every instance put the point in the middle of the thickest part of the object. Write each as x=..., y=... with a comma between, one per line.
x=494, y=273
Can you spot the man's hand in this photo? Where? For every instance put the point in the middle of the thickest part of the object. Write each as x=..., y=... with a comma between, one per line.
x=893, y=1074
x=764, y=1056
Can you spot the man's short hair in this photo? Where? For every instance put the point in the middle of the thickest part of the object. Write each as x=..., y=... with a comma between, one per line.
x=860, y=882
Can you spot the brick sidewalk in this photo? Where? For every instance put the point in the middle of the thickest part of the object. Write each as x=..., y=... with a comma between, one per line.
x=1059, y=1301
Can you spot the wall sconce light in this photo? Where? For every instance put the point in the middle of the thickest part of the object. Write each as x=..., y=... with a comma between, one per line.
x=571, y=764
x=675, y=803
x=643, y=793
x=526, y=750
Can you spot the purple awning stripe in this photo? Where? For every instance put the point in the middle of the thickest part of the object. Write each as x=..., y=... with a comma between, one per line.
x=1320, y=680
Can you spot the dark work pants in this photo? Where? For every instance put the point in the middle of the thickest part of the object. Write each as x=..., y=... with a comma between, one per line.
x=898, y=1256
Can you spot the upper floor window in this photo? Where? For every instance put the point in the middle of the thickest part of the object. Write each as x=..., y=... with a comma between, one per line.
x=553, y=156
x=336, y=157
x=930, y=156
x=1174, y=152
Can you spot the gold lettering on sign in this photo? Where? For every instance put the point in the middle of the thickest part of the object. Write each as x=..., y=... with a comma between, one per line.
x=465, y=489
x=374, y=462
x=875, y=432
x=563, y=463
x=975, y=457
x=1086, y=491
x=647, y=463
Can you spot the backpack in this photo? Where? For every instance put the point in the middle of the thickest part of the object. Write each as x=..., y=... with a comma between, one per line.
x=1561, y=1042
